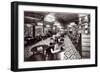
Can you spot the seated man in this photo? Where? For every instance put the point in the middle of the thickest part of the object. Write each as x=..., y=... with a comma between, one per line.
x=37, y=54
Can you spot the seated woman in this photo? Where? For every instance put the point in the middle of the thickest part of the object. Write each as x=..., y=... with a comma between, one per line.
x=52, y=50
x=49, y=54
x=55, y=51
x=58, y=50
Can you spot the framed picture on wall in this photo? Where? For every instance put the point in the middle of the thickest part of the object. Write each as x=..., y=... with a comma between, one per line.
x=52, y=36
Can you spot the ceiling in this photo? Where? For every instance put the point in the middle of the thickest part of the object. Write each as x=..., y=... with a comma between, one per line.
x=39, y=16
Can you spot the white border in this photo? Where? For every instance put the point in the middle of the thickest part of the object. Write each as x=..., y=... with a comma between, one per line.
x=22, y=64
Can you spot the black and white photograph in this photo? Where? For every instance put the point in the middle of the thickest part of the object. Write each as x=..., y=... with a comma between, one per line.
x=53, y=36
x=56, y=36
